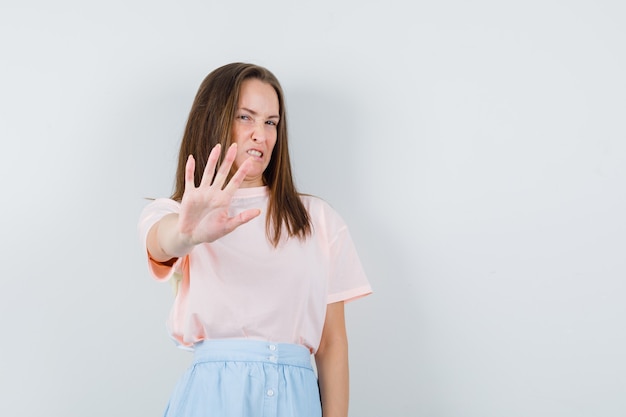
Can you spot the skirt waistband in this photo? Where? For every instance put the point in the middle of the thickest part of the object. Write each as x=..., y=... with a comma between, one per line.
x=242, y=350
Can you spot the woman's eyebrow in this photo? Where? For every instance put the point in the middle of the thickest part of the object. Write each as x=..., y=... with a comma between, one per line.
x=252, y=112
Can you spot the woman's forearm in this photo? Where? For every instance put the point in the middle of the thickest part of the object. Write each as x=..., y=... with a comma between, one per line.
x=332, y=364
x=165, y=242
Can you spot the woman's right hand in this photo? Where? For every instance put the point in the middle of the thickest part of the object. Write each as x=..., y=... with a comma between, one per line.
x=204, y=209
x=203, y=215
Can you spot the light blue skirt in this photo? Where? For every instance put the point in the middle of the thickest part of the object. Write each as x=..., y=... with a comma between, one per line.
x=247, y=378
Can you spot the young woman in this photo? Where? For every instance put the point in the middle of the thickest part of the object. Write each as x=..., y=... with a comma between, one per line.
x=262, y=271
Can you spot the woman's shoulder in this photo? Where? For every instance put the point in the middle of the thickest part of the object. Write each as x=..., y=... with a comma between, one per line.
x=160, y=205
x=313, y=202
x=322, y=212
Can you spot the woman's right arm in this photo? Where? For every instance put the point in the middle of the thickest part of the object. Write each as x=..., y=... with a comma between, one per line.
x=203, y=213
x=164, y=243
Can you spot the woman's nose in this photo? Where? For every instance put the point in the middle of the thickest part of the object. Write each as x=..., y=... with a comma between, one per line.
x=258, y=133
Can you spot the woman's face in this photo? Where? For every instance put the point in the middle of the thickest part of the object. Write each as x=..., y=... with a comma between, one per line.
x=255, y=128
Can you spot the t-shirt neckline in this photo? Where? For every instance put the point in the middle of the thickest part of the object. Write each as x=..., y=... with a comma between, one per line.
x=252, y=192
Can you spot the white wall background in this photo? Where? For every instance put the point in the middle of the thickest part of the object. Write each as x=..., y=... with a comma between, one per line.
x=477, y=151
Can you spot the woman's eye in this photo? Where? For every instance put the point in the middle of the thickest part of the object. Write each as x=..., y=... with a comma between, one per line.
x=271, y=123
x=244, y=117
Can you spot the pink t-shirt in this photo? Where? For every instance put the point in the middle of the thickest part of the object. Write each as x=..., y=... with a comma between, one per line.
x=241, y=286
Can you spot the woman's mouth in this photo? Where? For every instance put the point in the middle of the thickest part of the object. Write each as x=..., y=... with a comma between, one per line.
x=255, y=153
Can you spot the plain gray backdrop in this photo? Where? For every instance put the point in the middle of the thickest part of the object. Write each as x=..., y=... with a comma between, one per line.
x=476, y=149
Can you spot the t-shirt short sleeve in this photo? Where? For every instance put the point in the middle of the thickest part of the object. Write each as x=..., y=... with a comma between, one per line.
x=347, y=280
x=150, y=215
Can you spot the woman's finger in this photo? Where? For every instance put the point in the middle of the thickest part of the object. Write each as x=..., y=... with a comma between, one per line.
x=189, y=170
x=224, y=170
x=243, y=217
x=239, y=176
x=211, y=163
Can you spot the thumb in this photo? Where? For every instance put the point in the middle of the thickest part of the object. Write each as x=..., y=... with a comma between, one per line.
x=241, y=218
x=246, y=216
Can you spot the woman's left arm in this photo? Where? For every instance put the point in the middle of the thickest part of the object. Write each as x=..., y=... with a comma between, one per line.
x=331, y=359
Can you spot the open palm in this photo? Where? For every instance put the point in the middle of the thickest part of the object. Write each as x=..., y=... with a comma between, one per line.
x=204, y=213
